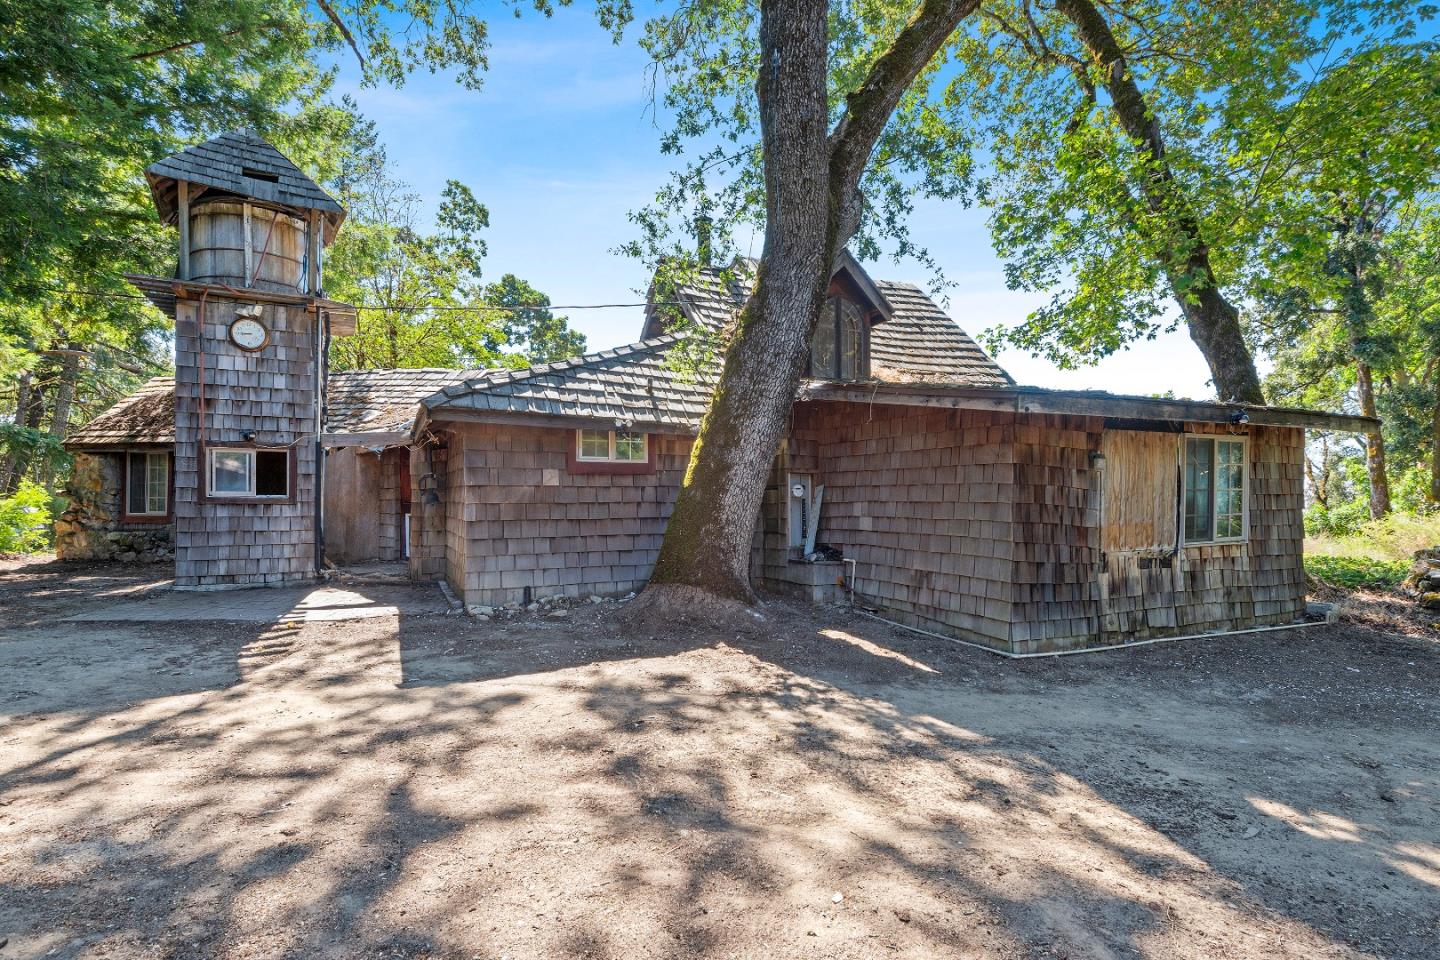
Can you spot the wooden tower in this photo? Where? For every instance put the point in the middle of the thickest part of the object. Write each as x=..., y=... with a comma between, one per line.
x=251, y=330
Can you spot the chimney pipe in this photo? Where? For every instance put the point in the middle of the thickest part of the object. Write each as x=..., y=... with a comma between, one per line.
x=702, y=236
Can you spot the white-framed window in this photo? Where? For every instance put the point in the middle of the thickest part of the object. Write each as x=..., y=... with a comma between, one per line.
x=248, y=472
x=611, y=446
x=147, y=483
x=1215, y=487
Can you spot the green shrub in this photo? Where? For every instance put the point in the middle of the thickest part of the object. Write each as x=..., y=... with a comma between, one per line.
x=1395, y=537
x=1342, y=520
x=25, y=520
x=1355, y=572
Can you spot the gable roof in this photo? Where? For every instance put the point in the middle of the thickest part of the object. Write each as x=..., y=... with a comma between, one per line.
x=626, y=385
x=916, y=343
x=224, y=162
x=361, y=406
x=147, y=416
x=383, y=401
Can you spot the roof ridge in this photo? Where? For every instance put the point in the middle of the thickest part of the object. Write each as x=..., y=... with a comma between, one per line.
x=495, y=378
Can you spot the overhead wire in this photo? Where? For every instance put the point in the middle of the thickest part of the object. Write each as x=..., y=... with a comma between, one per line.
x=407, y=308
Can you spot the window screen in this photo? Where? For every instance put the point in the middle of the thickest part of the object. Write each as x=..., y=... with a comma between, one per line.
x=594, y=445
x=272, y=473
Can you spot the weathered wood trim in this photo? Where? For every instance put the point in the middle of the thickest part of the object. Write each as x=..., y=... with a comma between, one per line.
x=559, y=421
x=377, y=438
x=1076, y=403
x=249, y=249
x=182, y=188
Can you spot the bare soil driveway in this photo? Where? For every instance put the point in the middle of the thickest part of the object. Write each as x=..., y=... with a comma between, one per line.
x=412, y=784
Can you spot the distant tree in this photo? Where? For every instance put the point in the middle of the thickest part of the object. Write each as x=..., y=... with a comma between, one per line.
x=419, y=290
x=531, y=333
x=90, y=93
x=1339, y=268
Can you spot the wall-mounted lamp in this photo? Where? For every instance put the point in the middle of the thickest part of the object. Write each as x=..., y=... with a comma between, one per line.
x=1097, y=460
x=248, y=436
x=1239, y=416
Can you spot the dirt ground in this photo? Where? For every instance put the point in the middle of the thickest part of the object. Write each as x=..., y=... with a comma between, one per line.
x=431, y=786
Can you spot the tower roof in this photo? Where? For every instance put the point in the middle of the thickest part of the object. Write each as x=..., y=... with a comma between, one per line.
x=241, y=163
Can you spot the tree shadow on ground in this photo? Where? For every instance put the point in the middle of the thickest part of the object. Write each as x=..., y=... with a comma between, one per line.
x=430, y=787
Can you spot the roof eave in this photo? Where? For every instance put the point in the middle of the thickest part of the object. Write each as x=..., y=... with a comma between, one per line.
x=1086, y=403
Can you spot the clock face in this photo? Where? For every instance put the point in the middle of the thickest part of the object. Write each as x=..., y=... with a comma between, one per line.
x=249, y=334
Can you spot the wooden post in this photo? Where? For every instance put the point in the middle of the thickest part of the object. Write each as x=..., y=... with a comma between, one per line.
x=249, y=249
x=182, y=189
x=312, y=255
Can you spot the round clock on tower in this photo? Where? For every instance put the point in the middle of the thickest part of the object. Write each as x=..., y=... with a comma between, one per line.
x=249, y=334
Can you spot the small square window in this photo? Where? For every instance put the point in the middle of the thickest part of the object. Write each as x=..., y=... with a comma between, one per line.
x=594, y=445
x=232, y=472
x=249, y=473
x=629, y=447
x=611, y=446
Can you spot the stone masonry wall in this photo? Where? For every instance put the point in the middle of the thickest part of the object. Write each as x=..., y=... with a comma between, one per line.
x=92, y=528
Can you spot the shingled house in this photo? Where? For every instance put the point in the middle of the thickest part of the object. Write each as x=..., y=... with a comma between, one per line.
x=916, y=476
x=122, y=488
x=953, y=500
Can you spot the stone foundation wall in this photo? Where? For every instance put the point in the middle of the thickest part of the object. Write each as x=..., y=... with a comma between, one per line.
x=92, y=528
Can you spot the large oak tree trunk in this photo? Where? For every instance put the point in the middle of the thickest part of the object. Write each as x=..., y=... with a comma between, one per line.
x=812, y=178
x=1213, y=322
x=1374, y=444
x=707, y=544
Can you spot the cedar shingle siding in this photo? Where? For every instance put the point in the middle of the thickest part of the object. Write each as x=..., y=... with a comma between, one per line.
x=270, y=392
x=517, y=518
x=966, y=505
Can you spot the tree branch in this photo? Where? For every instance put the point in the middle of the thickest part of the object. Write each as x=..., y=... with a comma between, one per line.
x=334, y=18
x=187, y=44
x=868, y=109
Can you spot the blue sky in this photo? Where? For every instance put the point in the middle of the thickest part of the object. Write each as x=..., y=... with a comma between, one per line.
x=560, y=146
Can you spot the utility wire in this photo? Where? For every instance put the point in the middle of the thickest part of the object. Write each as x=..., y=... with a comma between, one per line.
x=467, y=308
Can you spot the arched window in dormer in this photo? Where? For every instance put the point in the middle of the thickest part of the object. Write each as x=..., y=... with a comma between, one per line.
x=837, y=351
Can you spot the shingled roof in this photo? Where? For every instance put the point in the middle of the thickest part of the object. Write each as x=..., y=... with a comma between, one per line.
x=629, y=384
x=239, y=162
x=916, y=343
x=145, y=417
x=383, y=401
x=358, y=402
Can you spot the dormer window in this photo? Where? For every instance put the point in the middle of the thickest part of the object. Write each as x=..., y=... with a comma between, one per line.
x=837, y=351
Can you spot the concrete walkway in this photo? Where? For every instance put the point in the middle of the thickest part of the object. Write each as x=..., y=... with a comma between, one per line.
x=294, y=604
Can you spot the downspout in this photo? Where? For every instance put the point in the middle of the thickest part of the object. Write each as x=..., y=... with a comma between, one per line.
x=322, y=365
